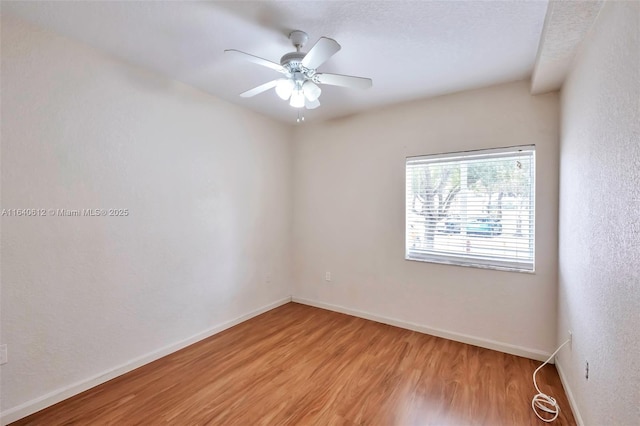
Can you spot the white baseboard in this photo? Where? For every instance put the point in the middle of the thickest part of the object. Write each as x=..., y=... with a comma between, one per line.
x=569, y=393
x=458, y=337
x=30, y=407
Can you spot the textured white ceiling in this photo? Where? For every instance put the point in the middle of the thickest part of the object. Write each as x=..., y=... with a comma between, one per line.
x=411, y=49
x=566, y=25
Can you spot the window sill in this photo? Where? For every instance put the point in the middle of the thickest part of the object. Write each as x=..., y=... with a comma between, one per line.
x=468, y=263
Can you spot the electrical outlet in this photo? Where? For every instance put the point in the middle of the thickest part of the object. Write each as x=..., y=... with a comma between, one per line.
x=4, y=355
x=327, y=276
x=267, y=278
x=570, y=340
x=586, y=370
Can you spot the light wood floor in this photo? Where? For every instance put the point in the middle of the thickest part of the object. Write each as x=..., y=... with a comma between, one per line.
x=302, y=365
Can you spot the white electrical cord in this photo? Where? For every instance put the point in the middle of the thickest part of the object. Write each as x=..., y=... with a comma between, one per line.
x=542, y=401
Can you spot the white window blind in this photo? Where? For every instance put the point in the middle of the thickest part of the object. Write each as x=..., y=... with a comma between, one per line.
x=472, y=208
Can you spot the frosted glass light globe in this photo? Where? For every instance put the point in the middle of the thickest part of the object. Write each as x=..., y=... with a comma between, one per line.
x=297, y=99
x=284, y=88
x=311, y=91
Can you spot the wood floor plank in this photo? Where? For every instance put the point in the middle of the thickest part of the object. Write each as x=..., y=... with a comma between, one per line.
x=299, y=365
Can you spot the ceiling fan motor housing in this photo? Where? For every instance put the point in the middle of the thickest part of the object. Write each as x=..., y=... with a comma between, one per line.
x=292, y=61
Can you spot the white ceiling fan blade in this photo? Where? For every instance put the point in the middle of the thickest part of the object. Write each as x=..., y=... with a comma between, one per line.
x=344, y=81
x=259, y=89
x=256, y=60
x=311, y=104
x=320, y=52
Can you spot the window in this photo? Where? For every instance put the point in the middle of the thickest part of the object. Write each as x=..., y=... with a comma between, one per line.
x=472, y=208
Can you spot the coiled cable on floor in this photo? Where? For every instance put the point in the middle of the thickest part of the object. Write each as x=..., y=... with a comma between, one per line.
x=542, y=402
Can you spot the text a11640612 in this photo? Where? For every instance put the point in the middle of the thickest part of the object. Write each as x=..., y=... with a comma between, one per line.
x=65, y=212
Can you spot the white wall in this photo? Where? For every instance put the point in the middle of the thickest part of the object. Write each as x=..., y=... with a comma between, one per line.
x=599, y=266
x=207, y=185
x=349, y=218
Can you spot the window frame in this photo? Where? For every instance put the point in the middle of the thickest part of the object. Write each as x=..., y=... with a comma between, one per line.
x=501, y=263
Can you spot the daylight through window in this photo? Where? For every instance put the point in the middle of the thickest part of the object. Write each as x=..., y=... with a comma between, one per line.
x=472, y=208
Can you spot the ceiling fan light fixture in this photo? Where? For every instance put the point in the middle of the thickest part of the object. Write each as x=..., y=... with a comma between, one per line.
x=311, y=91
x=297, y=99
x=311, y=105
x=284, y=88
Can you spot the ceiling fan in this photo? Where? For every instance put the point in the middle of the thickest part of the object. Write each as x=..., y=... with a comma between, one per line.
x=300, y=84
